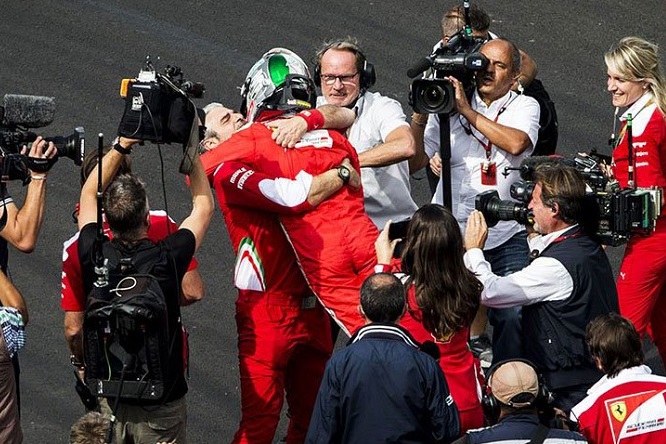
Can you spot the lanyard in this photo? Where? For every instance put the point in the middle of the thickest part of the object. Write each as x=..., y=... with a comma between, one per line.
x=487, y=146
x=623, y=131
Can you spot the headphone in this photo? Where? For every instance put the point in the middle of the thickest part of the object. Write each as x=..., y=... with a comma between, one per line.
x=367, y=74
x=492, y=406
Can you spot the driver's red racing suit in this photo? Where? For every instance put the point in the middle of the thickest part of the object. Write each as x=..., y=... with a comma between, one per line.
x=334, y=243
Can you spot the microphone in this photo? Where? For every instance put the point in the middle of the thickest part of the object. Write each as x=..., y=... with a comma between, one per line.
x=27, y=111
x=419, y=67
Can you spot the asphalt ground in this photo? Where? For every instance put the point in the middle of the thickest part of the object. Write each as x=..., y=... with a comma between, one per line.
x=78, y=51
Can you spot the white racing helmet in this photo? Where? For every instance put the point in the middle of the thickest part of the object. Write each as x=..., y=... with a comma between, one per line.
x=279, y=81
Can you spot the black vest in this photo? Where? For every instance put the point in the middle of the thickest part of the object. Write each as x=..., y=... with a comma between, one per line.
x=554, y=331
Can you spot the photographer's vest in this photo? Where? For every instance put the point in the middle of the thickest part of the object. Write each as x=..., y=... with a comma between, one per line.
x=555, y=330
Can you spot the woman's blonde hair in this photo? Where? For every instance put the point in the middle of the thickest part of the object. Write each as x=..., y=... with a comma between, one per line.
x=637, y=60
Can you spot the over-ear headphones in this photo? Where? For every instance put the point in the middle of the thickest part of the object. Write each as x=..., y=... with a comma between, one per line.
x=492, y=406
x=366, y=70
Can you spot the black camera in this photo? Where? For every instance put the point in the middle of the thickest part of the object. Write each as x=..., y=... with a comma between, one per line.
x=459, y=58
x=495, y=209
x=610, y=213
x=158, y=106
x=20, y=112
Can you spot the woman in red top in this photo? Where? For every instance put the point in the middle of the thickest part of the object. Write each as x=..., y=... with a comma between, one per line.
x=443, y=297
x=637, y=84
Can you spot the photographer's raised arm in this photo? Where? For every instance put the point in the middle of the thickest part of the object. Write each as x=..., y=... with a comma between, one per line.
x=202, y=202
x=110, y=164
x=23, y=225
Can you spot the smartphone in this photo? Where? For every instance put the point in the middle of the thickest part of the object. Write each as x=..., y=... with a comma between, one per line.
x=398, y=230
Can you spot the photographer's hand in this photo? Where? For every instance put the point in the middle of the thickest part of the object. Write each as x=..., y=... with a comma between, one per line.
x=476, y=232
x=384, y=246
x=462, y=104
x=40, y=157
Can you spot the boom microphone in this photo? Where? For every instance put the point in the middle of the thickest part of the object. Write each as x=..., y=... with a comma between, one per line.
x=27, y=111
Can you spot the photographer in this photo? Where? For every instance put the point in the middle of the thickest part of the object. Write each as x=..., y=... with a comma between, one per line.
x=126, y=208
x=497, y=129
x=73, y=298
x=567, y=284
x=637, y=83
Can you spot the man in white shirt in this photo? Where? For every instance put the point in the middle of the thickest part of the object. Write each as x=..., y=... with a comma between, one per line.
x=568, y=283
x=380, y=133
x=497, y=129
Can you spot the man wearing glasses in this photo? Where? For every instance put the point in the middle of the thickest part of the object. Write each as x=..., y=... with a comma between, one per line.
x=380, y=132
x=494, y=129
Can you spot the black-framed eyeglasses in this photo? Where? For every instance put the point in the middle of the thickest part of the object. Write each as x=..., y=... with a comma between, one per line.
x=330, y=79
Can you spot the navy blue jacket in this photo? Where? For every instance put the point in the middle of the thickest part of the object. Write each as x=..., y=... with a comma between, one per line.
x=382, y=389
x=518, y=429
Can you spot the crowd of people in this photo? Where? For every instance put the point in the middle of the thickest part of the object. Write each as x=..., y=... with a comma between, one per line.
x=309, y=187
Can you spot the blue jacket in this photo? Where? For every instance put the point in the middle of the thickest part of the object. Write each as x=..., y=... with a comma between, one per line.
x=382, y=389
x=518, y=428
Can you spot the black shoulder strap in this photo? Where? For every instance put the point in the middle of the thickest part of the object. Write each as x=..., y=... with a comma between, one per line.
x=540, y=435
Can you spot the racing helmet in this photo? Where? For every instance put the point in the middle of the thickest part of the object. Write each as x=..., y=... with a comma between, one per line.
x=279, y=81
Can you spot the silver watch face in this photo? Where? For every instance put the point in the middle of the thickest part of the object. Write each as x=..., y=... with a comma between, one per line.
x=343, y=172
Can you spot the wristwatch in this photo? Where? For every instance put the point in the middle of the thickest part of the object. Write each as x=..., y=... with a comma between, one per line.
x=344, y=174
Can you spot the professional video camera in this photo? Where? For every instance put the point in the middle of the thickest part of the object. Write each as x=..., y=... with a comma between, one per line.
x=158, y=106
x=460, y=58
x=619, y=213
x=20, y=112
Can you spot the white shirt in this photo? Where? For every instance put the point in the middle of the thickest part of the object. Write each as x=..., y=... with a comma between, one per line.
x=545, y=279
x=386, y=190
x=467, y=154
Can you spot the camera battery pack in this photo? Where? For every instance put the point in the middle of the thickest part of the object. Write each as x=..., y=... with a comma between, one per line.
x=143, y=116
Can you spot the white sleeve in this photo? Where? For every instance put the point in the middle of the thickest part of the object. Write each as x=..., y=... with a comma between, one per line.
x=287, y=192
x=545, y=279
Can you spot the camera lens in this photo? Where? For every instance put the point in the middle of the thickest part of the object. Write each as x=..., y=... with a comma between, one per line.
x=434, y=96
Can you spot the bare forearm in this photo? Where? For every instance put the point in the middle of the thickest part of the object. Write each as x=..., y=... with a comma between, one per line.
x=192, y=288
x=399, y=146
x=202, y=202
x=324, y=186
x=28, y=220
x=74, y=333
x=420, y=158
x=509, y=139
x=337, y=117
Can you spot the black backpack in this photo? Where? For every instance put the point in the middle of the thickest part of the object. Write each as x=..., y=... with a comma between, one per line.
x=548, y=131
x=126, y=330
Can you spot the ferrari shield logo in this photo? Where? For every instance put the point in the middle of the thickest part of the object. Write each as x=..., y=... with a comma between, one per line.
x=619, y=410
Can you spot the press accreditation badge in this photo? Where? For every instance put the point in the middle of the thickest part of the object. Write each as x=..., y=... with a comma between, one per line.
x=488, y=173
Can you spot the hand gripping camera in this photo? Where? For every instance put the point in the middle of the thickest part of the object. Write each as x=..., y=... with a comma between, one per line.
x=158, y=106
